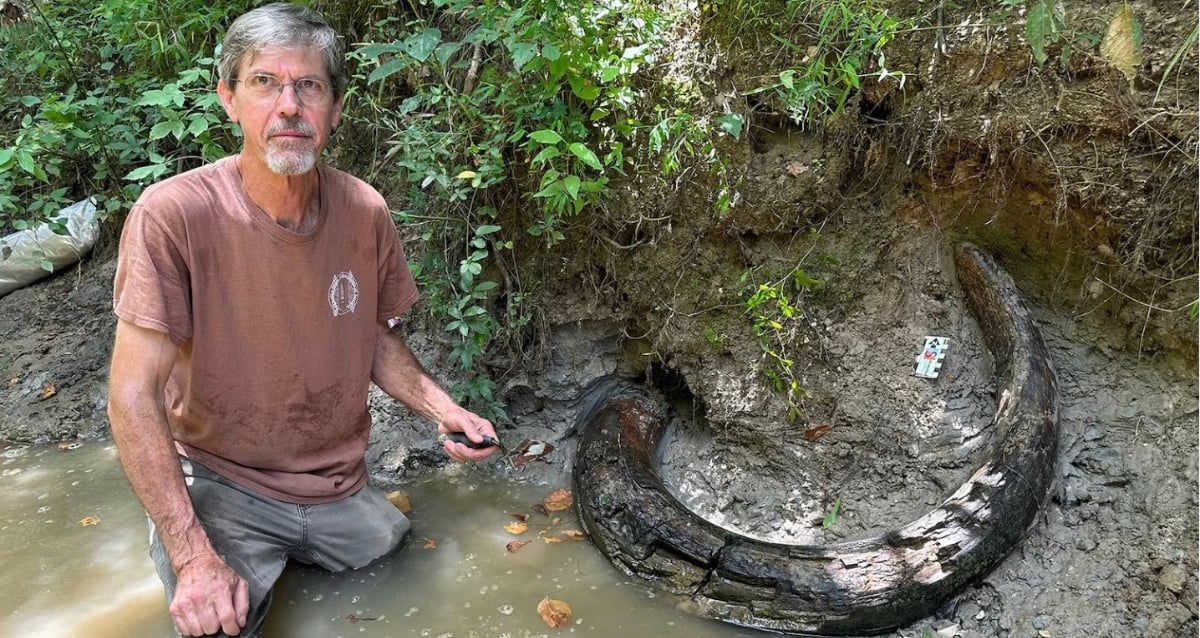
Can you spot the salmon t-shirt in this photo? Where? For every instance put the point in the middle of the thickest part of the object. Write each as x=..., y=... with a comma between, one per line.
x=276, y=330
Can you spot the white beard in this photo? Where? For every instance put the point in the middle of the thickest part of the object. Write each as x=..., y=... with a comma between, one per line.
x=290, y=162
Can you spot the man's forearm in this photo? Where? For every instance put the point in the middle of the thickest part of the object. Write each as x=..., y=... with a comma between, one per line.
x=152, y=466
x=397, y=372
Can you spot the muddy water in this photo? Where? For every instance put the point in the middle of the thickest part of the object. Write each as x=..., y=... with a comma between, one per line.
x=67, y=574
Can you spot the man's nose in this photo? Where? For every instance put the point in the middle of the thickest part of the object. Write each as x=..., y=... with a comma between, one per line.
x=287, y=103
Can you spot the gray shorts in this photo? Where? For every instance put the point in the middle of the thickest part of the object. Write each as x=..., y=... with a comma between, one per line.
x=256, y=535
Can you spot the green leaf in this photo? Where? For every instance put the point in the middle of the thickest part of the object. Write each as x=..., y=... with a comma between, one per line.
x=583, y=88
x=831, y=517
x=1041, y=28
x=162, y=129
x=551, y=52
x=150, y=171
x=585, y=155
x=546, y=136
x=421, y=45
x=198, y=126
x=732, y=124
x=373, y=51
x=522, y=53
x=571, y=184
x=25, y=161
x=391, y=67
x=445, y=51
x=548, y=153
x=486, y=229
x=6, y=155
x=166, y=96
x=787, y=79
x=608, y=73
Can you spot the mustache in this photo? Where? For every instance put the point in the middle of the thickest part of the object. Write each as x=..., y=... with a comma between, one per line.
x=291, y=126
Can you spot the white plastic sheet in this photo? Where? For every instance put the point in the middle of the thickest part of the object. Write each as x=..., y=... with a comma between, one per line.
x=23, y=265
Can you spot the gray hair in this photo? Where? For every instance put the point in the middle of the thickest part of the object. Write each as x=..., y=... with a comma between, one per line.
x=284, y=25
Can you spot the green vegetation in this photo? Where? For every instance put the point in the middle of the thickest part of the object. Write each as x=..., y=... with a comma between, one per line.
x=86, y=84
x=775, y=313
x=494, y=128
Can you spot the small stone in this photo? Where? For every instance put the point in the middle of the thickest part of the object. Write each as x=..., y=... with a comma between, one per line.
x=1172, y=577
x=1093, y=433
x=1041, y=622
x=1085, y=543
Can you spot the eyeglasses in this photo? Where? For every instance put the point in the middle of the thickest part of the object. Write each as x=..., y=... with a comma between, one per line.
x=264, y=86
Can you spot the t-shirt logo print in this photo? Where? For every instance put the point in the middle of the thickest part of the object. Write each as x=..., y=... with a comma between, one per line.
x=343, y=293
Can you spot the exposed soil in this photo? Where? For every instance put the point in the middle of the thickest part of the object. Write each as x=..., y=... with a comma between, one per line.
x=1083, y=187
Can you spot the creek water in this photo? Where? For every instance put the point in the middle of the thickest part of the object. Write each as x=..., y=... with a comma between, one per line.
x=73, y=543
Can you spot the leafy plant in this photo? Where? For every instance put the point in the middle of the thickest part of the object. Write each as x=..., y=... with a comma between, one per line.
x=831, y=516
x=848, y=37
x=512, y=119
x=78, y=117
x=773, y=312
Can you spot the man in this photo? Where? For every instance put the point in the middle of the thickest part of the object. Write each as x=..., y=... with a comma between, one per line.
x=253, y=299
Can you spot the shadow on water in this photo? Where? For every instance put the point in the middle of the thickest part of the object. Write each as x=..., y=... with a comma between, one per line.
x=71, y=575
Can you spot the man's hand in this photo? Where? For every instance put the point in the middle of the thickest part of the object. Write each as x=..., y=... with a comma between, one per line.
x=209, y=596
x=459, y=419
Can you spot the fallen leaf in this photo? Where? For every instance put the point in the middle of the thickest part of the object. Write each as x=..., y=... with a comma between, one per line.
x=529, y=450
x=796, y=169
x=521, y=517
x=540, y=509
x=48, y=392
x=88, y=521
x=1122, y=43
x=70, y=445
x=552, y=539
x=555, y=521
x=516, y=527
x=575, y=535
x=559, y=500
x=556, y=613
x=817, y=431
x=400, y=500
x=430, y=543
x=513, y=546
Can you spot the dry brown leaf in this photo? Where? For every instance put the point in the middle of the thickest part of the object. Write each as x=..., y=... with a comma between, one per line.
x=556, y=613
x=552, y=539
x=48, y=392
x=574, y=534
x=559, y=500
x=430, y=543
x=513, y=546
x=516, y=527
x=88, y=521
x=70, y=445
x=521, y=517
x=1121, y=44
x=817, y=431
x=540, y=509
x=400, y=500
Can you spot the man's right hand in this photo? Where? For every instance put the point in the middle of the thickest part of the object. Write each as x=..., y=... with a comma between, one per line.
x=209, y=596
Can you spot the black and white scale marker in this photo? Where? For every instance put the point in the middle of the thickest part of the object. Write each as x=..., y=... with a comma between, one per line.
x=929, y=362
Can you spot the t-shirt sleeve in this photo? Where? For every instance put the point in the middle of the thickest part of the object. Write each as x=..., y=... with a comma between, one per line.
x=397, y=290
x=151, y=288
